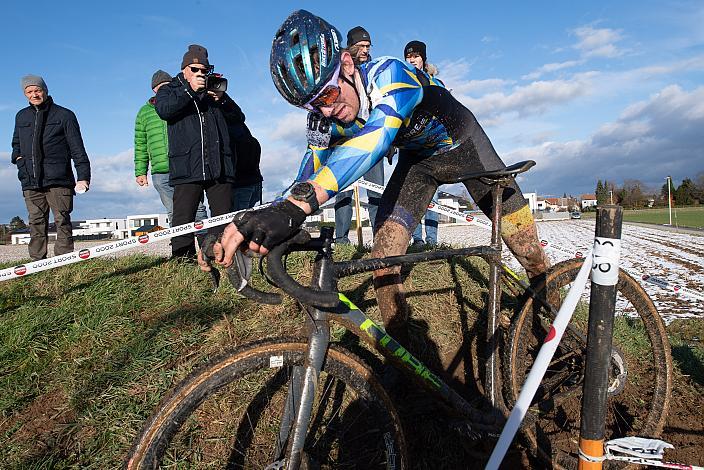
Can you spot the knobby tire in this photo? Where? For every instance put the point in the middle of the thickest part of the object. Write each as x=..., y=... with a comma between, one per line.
x=639, y=409
x=225, y=414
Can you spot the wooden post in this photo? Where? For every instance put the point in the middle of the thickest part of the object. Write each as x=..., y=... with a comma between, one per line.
x=602, y=302
x=358, y=209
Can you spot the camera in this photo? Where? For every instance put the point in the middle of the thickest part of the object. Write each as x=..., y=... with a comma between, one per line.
x=215, y=82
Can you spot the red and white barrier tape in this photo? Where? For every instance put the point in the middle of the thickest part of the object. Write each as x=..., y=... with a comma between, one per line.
x=121, y=245
x=114, y=246
x=575, y=252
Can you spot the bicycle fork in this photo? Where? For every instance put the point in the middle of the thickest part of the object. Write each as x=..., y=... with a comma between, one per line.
x=302, y=387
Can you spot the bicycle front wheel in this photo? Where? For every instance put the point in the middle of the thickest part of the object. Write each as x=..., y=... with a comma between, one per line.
x=227, y=415
x=640, y=373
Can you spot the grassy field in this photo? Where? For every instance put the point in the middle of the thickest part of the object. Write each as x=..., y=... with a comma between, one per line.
x=87, y=351
x=681, y=216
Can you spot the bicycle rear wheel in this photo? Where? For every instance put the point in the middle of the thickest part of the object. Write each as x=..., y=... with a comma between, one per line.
x=637, y=402
x=227, y=414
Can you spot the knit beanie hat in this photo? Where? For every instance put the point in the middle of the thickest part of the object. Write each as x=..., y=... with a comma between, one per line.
x=160, y=77
x=415, y=47
x=36, y=80
x=195, y=55
x=357, y=34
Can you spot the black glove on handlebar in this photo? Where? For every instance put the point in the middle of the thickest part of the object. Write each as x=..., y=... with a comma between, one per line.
x=270, y=226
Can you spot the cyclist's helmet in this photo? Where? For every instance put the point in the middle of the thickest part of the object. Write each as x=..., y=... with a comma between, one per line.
x=301, y=37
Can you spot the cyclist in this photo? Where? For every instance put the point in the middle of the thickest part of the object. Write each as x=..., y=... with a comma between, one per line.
x=373, y=106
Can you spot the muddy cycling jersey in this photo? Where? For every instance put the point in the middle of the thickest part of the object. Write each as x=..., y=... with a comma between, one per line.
x=439, y=140
x=400, y=106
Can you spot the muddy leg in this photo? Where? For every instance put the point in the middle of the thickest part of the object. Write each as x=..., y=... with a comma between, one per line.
x=521, y=236
x=392, y=239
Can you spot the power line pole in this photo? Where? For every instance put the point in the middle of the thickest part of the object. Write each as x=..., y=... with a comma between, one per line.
x=669, y=197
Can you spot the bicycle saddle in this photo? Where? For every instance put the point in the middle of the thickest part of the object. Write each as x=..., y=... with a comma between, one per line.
x=495, y=175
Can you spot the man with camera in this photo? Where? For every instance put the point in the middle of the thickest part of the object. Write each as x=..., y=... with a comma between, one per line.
x=195, y=106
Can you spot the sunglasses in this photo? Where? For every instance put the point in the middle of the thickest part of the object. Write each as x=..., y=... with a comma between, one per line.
x=204, y=70
x=327, y=95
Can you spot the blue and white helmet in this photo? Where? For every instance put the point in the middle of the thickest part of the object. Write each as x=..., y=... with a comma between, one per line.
x=302, y=37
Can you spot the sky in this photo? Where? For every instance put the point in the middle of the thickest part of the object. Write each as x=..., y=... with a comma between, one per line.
x=589, y=90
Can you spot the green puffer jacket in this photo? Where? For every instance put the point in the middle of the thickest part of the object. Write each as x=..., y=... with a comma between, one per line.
x=150, y=141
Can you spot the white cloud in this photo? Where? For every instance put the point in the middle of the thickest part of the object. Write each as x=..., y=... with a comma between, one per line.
x=534, y=98
x=495, y=100
x=650, y=139
x=290, y=125
x=598, y=42
x=283, y=146
x=592, y=43
x=549, y=68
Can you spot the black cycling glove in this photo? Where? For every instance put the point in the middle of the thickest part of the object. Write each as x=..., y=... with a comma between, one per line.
x=270, y=226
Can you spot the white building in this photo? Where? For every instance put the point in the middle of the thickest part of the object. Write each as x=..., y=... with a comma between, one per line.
x=588, y=200
x=97, y=229
x=133, y=222
x=23, y=238
x=327, y=212
x=532, y=199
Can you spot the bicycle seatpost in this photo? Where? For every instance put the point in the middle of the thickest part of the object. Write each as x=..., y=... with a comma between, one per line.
x=492, y=375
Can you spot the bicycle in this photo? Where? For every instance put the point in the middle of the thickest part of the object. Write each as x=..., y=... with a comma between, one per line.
x=311, y=403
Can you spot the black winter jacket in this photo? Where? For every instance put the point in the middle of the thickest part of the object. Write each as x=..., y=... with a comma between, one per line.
x=199, y=145
x=45, y=139
x=248, y=152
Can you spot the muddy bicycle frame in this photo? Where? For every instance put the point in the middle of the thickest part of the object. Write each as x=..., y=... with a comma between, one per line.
x=302, y=387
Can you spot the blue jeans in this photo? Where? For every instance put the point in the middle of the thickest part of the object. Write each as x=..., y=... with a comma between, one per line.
x=246, y=196
x=166, y=194
x=344, y=201
x=431, y=228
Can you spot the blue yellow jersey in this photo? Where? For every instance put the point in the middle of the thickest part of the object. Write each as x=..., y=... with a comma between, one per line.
x=401, y=107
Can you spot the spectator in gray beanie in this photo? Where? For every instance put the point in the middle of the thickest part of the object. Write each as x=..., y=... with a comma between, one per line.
x=45, y=141
x=34, y=80
x=160, y=77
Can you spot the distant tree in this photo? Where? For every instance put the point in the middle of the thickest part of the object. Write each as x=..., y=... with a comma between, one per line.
x=663, y=191
x=619, y=195
x=633, y=195
x=601, y=193
x=685, y=192
x=17, y=223
x=699, y=188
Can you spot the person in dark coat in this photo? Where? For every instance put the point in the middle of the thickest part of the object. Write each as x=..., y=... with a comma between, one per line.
x=200, y=155
x=45, y=140
x=247, y=188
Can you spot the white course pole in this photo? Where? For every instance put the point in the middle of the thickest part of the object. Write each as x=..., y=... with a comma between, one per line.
x=540, y=365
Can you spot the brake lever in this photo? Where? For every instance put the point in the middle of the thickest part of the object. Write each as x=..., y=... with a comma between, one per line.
x=243, y=271
x=208, y=255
